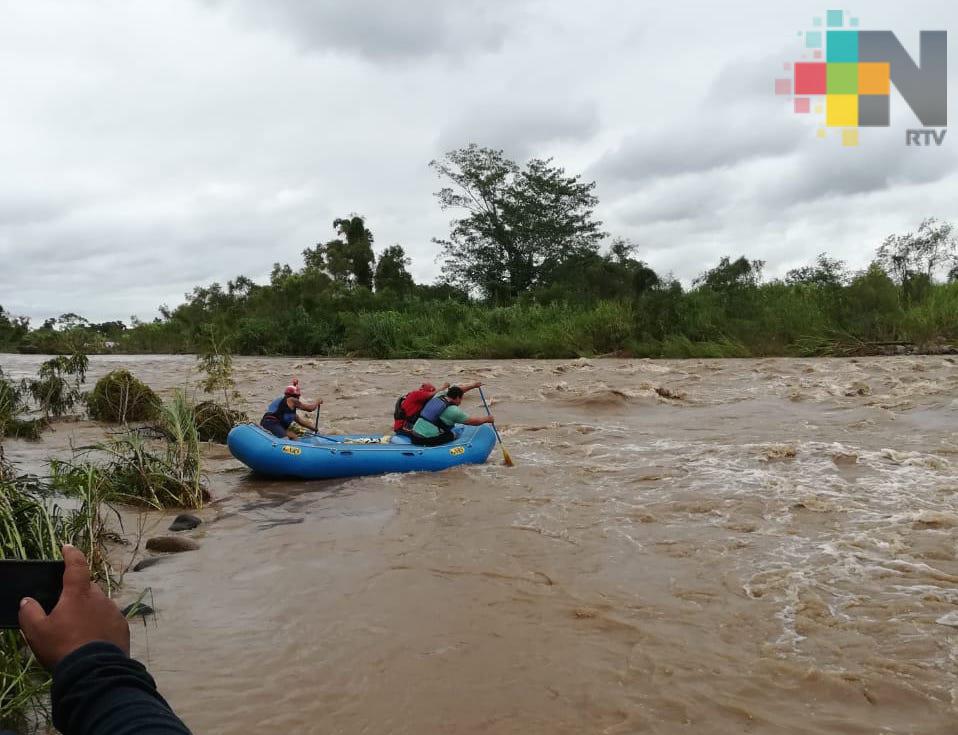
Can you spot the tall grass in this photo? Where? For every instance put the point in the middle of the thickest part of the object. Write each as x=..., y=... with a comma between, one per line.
x=33, y=526
x=12, y=406
x=135, y=469
x=736, y=319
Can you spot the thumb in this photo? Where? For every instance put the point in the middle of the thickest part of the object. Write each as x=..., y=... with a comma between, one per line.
x=31, y=616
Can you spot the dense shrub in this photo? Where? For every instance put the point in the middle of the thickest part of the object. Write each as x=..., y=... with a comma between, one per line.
x=119, y=397
x=213, y=421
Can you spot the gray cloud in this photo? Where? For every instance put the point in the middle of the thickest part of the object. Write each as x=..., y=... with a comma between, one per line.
x=719, y=140
x=196, y=140
x=520, y=127
x=727, y=128
x=383, y=30
x=818, y=173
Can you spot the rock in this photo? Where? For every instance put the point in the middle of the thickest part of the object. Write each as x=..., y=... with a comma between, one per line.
x=147, y=563
x=171, y=544
x=135, y=609
x=858, y=388
x=185, y=522
x=846, y=458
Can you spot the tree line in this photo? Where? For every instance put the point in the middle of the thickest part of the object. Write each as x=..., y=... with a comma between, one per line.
x=526, y=274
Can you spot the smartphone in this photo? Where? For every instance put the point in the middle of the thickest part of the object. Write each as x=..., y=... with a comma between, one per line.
x=41, y=580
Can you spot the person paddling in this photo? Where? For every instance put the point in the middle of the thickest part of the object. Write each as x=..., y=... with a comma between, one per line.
x=281, y=413
x=440, y=414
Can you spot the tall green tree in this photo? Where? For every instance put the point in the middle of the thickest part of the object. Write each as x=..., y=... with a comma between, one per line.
x=358, y=249
x=730, y=274
x=12, y=329
x=518, y=223
x=824, y=273
x=391, y=274
x=594, y=277
x=913, y=259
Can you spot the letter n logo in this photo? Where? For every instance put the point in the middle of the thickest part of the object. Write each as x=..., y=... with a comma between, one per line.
x=924, y=86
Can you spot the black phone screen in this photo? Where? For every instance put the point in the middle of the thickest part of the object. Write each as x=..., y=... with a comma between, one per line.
x=41, y=580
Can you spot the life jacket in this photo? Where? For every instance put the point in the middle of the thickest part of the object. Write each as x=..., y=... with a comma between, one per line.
x=281, y=411
x=432, y=411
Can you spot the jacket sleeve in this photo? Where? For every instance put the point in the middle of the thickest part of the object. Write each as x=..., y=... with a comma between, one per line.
x=99, y=690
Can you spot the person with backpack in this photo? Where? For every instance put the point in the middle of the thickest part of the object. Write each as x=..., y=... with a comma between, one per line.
x=410, y=404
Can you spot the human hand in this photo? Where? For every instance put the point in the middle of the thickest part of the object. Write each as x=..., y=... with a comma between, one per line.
x=82, y=615
x=490, y=419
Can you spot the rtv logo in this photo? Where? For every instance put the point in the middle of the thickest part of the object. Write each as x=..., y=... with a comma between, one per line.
x=846, y=76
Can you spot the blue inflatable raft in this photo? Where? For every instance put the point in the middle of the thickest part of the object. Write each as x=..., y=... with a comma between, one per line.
x=322, y=457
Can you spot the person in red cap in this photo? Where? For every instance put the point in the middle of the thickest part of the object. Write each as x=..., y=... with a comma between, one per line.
x=409, y=406
x=281, y=413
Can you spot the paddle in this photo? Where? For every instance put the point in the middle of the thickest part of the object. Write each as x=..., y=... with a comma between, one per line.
x=315, y=431
x=506, y=457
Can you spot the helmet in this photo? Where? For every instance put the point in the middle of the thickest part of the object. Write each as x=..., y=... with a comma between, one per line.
x=293, y=389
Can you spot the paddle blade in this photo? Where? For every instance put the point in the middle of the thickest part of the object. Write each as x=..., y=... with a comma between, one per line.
x=507, y=458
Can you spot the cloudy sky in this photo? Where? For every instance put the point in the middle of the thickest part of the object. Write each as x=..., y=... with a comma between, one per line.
x=147, y=147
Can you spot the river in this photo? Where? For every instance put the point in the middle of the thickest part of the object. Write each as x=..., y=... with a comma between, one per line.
x=697, y=546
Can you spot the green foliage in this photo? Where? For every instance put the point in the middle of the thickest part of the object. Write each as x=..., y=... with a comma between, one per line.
x=357, y=253
x=559, y=298
x=213, y=421
x=118, y=397
x=391, y=275
x=11, y=403
x=216, y=362
x=13, y=329
x=871, y=306
x=34, y=527
x=68, y=334
x=57, y=388
x=130, y=468
x=518, y=225
x=921, y=253
x=935, y=318
x=824, y=273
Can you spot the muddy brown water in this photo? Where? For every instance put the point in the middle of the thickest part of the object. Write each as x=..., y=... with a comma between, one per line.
x=757, y=546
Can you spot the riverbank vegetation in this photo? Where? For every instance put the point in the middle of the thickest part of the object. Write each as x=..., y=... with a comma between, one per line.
x=529, y=272
x=33, y=525
x=158, y=466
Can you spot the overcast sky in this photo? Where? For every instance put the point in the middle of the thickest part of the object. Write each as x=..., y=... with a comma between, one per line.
x=148, y=147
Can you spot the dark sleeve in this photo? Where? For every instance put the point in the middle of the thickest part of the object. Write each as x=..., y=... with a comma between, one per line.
x=99, y=690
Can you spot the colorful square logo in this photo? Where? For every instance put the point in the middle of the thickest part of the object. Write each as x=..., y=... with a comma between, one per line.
x=811, y=78
x=842, y=47
x=874, y=78
x=841, y=110
x=842, y=78
x=846, y=75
